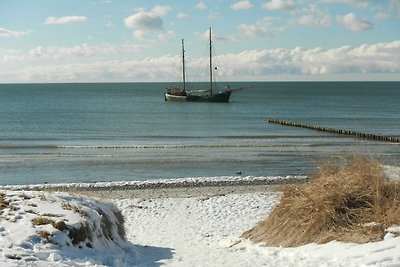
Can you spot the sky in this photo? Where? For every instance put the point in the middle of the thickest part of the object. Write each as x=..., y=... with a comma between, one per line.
x=140, y=41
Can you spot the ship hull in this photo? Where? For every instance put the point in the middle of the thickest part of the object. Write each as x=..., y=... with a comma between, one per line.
x=218, y=98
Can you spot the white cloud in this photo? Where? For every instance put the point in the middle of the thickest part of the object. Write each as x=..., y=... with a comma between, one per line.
x=143, y=21
x=382, y=58
x=167, y=36
x=64, y=20
x=201, y=5
x=314, y=17
x=9, y=33
x=394, y=6
x=261, y=29
x=353, y=22
x=368, y=61
x=161, y=10
x=214, y=14
x=389, y=9
x=382, y=15
x=356, y=3
x=60, y=53
x=279, y=5
x=103, y=2
x=182, y=15
x=205, y=36
x=147, y=69
x=242, y=5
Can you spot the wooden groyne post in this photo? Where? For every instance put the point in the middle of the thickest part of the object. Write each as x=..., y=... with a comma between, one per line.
x=367, y=136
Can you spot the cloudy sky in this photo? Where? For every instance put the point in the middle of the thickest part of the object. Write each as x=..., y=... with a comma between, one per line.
x=254, y=40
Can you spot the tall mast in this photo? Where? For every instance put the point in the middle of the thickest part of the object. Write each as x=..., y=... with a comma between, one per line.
x=211, y=77
x=183, y=67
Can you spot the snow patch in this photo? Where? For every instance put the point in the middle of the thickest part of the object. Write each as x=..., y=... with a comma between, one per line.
x=40, y=228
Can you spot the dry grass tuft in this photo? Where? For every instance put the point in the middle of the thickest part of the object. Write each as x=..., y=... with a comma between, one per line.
x=75, y=209
x=352, y=202
x=80, y=234
x=51, y=215
x=44, y=234
x=41, y=221
x=3, y=203
x=60, y=225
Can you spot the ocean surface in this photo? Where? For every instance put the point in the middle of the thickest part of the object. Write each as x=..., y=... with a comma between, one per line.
x=61, y=133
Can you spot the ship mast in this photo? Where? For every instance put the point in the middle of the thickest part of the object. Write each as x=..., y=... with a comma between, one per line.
x=183, y=67
x=211, y=76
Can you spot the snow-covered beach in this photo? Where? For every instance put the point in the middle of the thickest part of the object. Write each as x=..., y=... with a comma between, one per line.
x=171, y=226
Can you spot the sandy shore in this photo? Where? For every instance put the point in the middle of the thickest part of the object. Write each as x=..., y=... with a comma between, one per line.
x=177, y=190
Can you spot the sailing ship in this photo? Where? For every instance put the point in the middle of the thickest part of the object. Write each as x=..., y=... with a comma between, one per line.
x=207, y=95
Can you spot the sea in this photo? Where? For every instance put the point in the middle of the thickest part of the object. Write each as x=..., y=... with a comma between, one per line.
x=105, y=132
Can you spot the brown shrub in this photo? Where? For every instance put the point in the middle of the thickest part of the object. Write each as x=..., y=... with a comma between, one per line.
x=353, y=202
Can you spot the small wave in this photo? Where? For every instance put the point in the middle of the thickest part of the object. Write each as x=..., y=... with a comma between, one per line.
x=169, y=146
x=29, y=147
x=60, y=155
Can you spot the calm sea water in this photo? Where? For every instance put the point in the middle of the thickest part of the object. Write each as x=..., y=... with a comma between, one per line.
x=112, y=132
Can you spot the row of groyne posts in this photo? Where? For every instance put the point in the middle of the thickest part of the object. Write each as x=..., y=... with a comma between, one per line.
x=367, y=136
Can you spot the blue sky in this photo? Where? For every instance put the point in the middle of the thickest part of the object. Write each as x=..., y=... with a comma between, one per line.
x=129, y=41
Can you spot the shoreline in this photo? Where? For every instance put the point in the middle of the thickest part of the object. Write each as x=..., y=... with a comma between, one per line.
x=174, y=192
x=185, y=189
x=165, y=189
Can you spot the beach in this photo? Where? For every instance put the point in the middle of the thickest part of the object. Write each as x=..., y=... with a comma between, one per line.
x=201, y=226
x=180, y=192
x=179, y=225
x=177, y=188
x=206, y=133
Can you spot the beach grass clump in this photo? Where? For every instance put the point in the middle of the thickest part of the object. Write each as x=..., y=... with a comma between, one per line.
x=38, y=221
x=74, y=208
x=51, y=215
x=351, y=202
x=3, y=202
x=80, y=234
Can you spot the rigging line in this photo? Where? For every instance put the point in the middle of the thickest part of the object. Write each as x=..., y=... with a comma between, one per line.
x=202, y=66
x=218, y=69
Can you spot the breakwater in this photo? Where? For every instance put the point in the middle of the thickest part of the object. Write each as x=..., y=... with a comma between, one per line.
x=338, y=131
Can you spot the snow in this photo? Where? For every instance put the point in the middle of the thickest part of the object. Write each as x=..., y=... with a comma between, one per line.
x=170, y=231
x=24, y=243
x=205, y=232
x=392, y=172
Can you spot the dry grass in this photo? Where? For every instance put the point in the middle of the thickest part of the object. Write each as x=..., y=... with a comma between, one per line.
x=80, y=234
x=51, y=215
x=41, y=221
x=351, y=202
x=76, y=209
x=3, y=203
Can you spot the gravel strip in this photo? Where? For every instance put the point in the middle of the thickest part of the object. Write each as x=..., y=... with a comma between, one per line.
x=178, y=190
